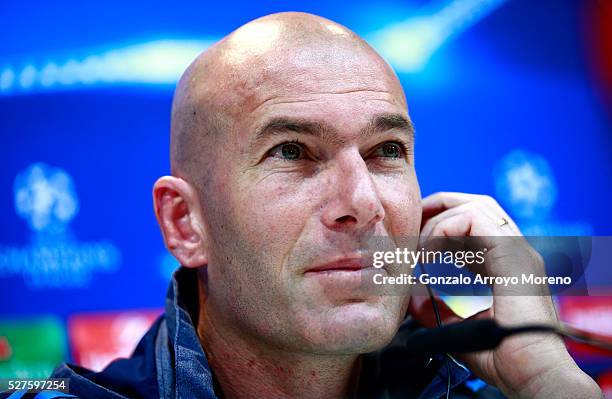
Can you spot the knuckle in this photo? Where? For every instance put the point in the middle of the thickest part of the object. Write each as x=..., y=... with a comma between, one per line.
x=442, y=196
x=489, y=200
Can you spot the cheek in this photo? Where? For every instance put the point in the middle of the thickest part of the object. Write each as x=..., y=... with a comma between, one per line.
x=273, y=212
x=402, y=204
x=275, y=208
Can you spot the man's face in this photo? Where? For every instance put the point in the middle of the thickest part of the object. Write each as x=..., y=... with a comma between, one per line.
x=317, y=160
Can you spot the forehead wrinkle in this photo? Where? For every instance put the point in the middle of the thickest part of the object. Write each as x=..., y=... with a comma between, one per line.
x=270, y=99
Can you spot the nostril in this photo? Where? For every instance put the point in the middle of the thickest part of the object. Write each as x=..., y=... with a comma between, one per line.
x=346, y=219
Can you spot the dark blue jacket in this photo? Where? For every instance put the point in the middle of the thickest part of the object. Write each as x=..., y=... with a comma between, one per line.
x=169, y=362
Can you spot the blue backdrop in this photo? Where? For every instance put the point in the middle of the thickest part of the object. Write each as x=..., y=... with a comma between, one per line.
x=505, y=96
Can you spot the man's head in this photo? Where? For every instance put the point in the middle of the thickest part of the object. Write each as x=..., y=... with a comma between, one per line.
x=291, y=146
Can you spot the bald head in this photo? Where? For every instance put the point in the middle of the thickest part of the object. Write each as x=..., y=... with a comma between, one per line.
x=264, y=60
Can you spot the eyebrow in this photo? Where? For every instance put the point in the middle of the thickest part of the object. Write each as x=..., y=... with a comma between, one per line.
x=378, y=124
x=386, y=122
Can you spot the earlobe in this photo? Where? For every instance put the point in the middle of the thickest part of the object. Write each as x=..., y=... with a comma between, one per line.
x=177, y=209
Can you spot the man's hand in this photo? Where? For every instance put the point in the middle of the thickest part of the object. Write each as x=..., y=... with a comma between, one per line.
x=525, y=366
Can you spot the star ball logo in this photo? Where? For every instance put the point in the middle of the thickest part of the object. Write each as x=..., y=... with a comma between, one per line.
x=526, y=185
x=46, y=198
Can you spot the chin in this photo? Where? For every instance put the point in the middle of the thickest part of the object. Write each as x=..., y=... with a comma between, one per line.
x=353, y=328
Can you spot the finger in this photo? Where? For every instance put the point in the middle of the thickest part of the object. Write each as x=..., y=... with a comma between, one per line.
x=441, y=201
x=499, y=215
x=470, y=207
x=432, y=225
x=458, y=225
x=483, y=314
x=438, y=203
x=485, y=220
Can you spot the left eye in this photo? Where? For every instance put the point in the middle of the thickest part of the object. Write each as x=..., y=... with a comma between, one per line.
x=390, y=149
x=290, y=151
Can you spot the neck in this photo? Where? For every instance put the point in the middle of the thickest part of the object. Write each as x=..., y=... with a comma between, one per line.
x=247, y=369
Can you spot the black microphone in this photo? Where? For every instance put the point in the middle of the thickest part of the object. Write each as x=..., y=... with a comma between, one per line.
x=465, y=336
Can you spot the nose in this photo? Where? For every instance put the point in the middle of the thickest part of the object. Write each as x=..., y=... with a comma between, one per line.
x=353, y=202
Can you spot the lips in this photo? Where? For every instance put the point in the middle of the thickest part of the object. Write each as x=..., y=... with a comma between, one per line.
x=344, y=265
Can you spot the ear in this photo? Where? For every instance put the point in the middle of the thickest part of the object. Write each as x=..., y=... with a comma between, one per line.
x=178, y=212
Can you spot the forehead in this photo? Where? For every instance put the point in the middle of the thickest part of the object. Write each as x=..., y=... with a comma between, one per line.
x=342, y=84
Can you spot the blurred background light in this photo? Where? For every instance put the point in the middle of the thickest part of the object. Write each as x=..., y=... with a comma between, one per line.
x=408, y=45
x=159, y=62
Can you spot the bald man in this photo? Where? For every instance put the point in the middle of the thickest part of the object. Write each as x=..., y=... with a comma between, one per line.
x=291, y=146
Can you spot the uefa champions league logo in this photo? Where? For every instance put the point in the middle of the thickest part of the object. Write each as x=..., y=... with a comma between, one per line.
x=526, y=186
x=46, y=198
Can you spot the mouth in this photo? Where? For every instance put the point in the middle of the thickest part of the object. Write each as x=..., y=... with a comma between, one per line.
x=341, y=265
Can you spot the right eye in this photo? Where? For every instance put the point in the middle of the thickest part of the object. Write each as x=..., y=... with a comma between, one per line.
x=290, y=151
